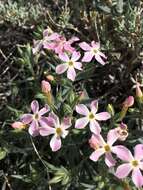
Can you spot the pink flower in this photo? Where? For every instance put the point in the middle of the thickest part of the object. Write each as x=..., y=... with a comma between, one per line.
x=132, y=163
x=128, y=102
x=104, y=148
x=18, y=125
x=62, y=45
x=91, y=117
x=36, y=119
x=59, y=131
x=50, y=41
x=92, y=50
x=69, y=65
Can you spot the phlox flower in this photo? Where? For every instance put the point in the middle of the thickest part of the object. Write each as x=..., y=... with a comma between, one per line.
x=59, y=130
x=102, y=147
x=92, y=50
x=36, y=119
x=69, y=65
x=129, y=101
x=132, y=163
x=62, y=45
x=90, y=117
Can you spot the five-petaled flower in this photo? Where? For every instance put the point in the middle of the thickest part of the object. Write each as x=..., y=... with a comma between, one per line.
x=69, y=65
x=105, y=148
x=92, y=50
x=36, y=119
x=132, y=163
x=91, y=117
x=57, y=129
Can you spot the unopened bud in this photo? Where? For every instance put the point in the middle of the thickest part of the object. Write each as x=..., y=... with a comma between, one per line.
x=46, y=87
x=50, y=77
x=128, y=102
x=18, y=125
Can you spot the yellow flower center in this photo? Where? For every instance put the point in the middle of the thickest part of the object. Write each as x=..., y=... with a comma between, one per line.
x=70, y=63
x=91, y=116
x=107, y=148
x=36, y=116
x=135, y=163
x=59, y=131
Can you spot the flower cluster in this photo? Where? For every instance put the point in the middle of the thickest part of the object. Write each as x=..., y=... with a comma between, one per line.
x=68, y=54
x=45, y=122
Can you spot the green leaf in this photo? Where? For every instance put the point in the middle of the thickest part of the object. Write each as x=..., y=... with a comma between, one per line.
x=2, y=153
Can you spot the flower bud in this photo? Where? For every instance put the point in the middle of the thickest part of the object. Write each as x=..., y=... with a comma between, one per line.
x=122, y=131
x=50, y=77
x=93, y=142
x=18, y=125
x=46, y=87
x=128, y=102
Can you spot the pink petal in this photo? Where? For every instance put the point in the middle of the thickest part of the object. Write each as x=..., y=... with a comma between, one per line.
x=99, y=59
x=95, y=127
x=61, y=68
x=109, y=160
x=53, y=36
x=65, y=133
x=81, y=123
x=55, y=143
x=102, y=55
x=123, y=153
x=123, y=171
x=44, y=121
x=78, y=65
x=103, y=116
x=95, y=44
x=71, y=74
x=75, y=56
x=64, y=57
x=54, y=118
x=112, y=136
x=44, y=110
x=82, y=109
x=66, y=123
x=17, y=125
x=33, y=129
x=94, y=106
x=35, y=106
x=73, y=39
x=27, y=118
x=87, y=57
x=96, y=154
x=138, y=152
x=100, y=140
x=45, y=131
x=137, y=178
x=85, y=46
x=68, y=47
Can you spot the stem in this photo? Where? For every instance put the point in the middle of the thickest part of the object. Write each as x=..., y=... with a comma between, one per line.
x=40, y=158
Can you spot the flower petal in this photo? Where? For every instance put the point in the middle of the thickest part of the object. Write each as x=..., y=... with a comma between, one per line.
x=82, y=109
x=102, y=55
x=44, y=121
x=87, y=56
x=138, y=152
x=54, y=118
x=61, y=68
x=75, y=56
x=78, y=65
x=103, y=116
x=109, y=160
x=27, y=118
x=123, y=171
x=96, y=154
x=55, y=143
x=137, y=178
x=71, y=74
x=64, y=57
x=123, y=153
x=35, y=106
x=85, y=46
x=94, y=106
x=44, y=110
x=112, y=136
x=45, y=131
x=81, y=123
x=95, y=127
x=66, y=123
x=95, y=44
x=99, y=59
x=33, y=129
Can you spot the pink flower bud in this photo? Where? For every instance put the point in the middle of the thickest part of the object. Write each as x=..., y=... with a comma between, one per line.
x=46, y=87
x=50, y=77
x=93, y=142
x=129, y=101
x=18, y=125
